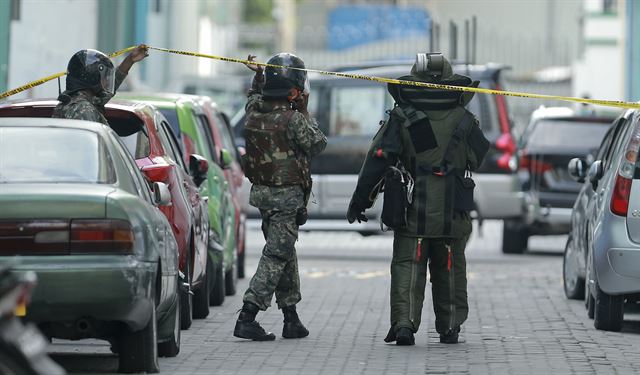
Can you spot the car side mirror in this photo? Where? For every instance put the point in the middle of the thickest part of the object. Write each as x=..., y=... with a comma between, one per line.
x=161, y=194
x=577, y=169
x=225, y=159
x=198, y=168
x=595, y=173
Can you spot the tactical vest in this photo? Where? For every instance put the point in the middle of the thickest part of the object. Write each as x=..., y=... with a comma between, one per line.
x=435, y=153
x=271, y=158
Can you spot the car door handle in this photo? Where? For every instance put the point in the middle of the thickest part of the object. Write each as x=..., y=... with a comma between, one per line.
x=205, y=199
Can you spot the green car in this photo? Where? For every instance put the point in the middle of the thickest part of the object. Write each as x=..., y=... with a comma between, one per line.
x=190, y=125
x=77, y=211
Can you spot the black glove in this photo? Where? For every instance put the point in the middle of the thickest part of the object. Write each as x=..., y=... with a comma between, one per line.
x=354, y=214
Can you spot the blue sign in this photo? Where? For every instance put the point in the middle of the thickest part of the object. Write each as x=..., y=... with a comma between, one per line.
x=354, y=25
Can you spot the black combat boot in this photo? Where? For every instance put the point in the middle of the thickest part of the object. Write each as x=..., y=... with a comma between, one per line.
x=248, y=328
x=391, y=335
x=293, y=328
x=450, y=337
x=404, y=336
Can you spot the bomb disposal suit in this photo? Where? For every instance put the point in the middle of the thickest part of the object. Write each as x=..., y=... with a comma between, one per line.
x=438, y=143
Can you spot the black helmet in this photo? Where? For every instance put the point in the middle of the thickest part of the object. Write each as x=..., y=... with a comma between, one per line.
x=279, y=81
x=91, y=69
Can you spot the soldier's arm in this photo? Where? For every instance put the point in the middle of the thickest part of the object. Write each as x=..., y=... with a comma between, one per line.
x=138, y=54
x=384, y=152
x=478, y=147
x=306, y=134
x=255, y=92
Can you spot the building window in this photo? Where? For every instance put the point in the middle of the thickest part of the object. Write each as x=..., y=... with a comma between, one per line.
x=15, y=10
x=609, y=6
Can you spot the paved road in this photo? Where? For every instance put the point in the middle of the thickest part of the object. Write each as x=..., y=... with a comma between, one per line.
x=519, y=321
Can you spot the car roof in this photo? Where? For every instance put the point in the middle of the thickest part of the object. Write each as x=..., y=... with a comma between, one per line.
x=95, y=127
x=566, y=113
x=116, y=103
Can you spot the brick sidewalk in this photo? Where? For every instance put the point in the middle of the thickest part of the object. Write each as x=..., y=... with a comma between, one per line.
x=519, y=321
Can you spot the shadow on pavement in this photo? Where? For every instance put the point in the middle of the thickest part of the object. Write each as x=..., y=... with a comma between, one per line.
x=81, y=363
x=536, y=252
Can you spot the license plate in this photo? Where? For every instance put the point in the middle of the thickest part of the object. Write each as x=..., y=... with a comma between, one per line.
x=21, y=310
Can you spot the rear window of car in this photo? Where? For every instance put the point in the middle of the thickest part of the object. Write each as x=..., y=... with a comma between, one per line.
x=137, y=145
x=484, y=107
x=567, y=134
x=357, y=110
x=172, y=116
x=31, y=155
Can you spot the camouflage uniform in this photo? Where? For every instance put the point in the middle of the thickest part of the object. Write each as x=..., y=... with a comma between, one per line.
x=280, y=176
x=80, y=105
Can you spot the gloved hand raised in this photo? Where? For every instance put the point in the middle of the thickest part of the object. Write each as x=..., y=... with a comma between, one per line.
x=354, y=214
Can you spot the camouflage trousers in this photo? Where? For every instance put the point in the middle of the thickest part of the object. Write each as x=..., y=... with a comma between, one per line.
x=278, y=268
x=448, y=275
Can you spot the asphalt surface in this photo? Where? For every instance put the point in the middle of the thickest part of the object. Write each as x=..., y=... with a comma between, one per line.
x=519, y=320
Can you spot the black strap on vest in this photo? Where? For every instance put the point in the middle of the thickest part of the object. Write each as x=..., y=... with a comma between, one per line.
x=457, y=136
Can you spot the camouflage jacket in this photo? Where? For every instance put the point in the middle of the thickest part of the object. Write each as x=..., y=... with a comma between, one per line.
x=304, y=136
x=80, y=105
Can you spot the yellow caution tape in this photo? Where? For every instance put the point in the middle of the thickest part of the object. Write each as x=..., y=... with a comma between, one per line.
x=608, y=103
x=40, y=81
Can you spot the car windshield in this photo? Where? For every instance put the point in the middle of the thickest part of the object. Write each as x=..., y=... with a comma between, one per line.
x=53, y=155
x=172, y=116
x=567, y=134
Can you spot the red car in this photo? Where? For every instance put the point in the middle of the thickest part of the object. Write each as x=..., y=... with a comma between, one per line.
x=146, y=134
x=223, y=138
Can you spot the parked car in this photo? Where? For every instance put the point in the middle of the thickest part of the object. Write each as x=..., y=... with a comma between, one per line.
x=554, y=136
x=145, y=133
x=603, y=248
x=349, y=112
x=188, y=121
x=224, y=140
x=79, y=213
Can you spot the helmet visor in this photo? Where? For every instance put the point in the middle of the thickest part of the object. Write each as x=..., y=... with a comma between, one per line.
x=108, y=80
x=307, y=86
x=98, y=62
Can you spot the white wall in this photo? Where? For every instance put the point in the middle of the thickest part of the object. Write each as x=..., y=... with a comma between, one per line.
x=600, y=72
x=48, y=33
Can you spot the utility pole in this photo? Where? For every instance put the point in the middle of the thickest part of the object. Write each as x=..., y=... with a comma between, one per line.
x=285, y=12
x=453, y=40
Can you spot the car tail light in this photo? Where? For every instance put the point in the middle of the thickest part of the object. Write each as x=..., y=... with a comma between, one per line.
x=622, y=187
x=157, y=172
x=101, y=236
x=505, y=142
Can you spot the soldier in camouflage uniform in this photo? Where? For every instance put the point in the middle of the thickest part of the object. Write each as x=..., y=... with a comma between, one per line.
x=92, y=81
x=280, y=137
x=439, y=142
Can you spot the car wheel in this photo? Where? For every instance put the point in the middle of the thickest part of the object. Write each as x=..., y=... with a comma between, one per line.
x=515, y=237
x=573, y=283
x=171, y=347
x=201, y=299
x=608, y=311
x=591, y=306
x=230, y=281
x=241, y=273
x=138, y=351
x=186, y=298
x=218, y=292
